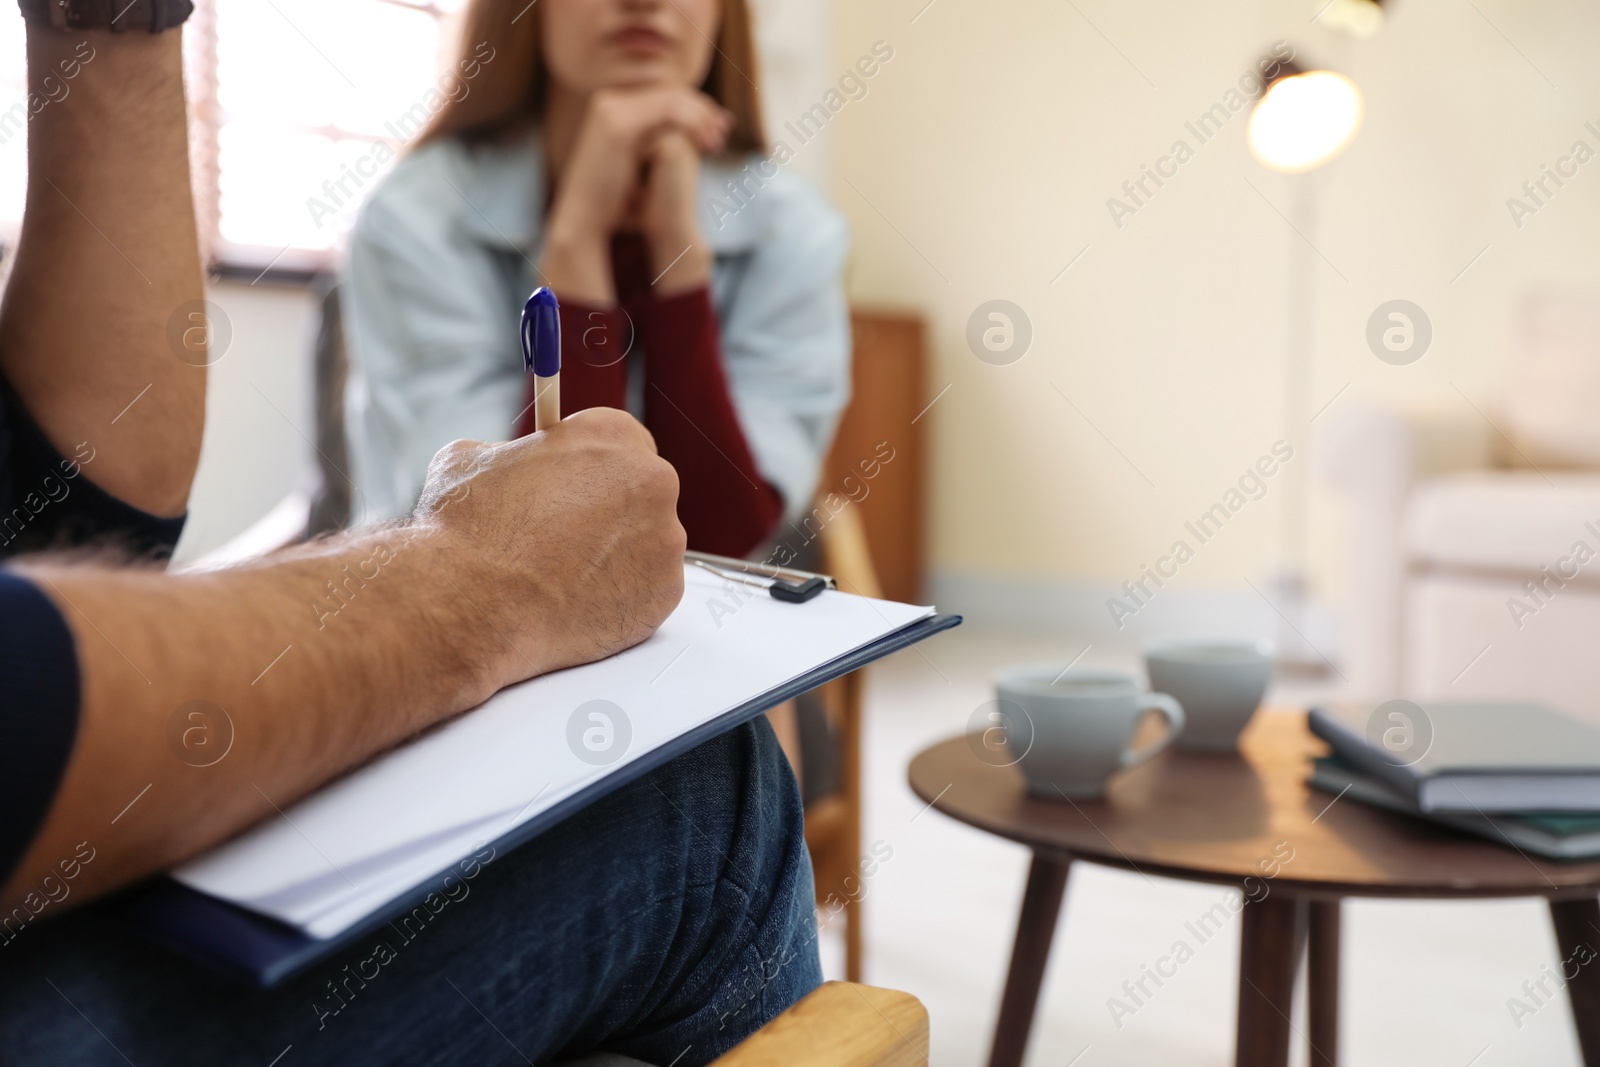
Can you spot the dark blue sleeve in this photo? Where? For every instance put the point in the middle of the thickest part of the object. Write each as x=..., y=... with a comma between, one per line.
x=50, y=501
x=47, y=501
x=38, y=712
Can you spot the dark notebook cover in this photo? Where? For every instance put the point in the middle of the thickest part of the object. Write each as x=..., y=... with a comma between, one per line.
x=1471, y=756
x=1554, y=835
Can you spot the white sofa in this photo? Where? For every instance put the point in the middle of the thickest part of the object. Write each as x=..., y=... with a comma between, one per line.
x=1456, y=520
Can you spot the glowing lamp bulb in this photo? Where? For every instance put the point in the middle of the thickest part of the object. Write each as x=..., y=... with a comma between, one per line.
x=1305, y=120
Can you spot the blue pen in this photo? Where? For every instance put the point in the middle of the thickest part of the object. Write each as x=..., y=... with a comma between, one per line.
x=541, y=354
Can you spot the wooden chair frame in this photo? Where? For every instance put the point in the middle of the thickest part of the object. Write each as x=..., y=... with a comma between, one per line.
x=833, y=823
x=840, y=1024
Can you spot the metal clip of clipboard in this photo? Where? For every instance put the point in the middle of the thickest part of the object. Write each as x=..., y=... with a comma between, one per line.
x=784, y=583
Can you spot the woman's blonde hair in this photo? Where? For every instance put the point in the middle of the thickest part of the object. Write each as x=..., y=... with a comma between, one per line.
x=515, y=86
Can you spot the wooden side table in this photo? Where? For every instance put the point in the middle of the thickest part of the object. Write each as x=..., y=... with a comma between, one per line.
x=1219, y=818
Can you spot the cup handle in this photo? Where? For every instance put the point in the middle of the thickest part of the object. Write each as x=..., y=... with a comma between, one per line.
x=1170, y=710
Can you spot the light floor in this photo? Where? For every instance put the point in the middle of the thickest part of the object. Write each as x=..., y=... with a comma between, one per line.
x=1424, y=983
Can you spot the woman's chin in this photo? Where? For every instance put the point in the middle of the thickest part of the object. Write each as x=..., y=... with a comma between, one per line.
x=640, y=74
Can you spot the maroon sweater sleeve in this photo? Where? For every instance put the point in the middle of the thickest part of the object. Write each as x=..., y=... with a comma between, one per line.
x=594, y=372
x=724, y=503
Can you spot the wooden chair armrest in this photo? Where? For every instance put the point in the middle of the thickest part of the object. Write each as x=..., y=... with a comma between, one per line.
x=845, y=554
x=840, y=1024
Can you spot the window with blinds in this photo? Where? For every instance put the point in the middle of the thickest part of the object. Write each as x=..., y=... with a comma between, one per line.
x=297, y=107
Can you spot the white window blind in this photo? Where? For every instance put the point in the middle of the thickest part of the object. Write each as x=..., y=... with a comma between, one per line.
x=297, y=107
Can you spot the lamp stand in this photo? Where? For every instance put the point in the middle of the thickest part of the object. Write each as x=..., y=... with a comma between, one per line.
x=1289, y=585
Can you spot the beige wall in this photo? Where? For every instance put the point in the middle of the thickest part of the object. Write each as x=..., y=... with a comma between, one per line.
x=980, y=164
x=795, y=41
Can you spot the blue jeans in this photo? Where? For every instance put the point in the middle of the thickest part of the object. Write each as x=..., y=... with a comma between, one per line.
x=667, y=922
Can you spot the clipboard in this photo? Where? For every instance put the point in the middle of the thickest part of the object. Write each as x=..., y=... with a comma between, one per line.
x=265, y=952
x=781, y=583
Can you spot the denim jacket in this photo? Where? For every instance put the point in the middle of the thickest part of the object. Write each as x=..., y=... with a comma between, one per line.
x=442, y=257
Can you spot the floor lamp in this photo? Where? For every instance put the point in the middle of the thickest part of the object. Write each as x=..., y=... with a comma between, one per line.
x=1303, y=120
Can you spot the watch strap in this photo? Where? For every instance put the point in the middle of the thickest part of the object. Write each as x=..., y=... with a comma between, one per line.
x=118, y=16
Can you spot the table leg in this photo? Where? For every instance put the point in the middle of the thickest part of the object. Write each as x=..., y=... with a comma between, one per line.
x=1269, y=957
x=1036, y=928
x=1577, y=924
x=1322, y=981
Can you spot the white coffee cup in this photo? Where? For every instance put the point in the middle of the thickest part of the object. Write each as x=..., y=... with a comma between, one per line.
x=1077, y=725
x=1219, y=683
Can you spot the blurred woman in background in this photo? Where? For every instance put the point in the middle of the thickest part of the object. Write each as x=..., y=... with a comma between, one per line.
x=612, y=150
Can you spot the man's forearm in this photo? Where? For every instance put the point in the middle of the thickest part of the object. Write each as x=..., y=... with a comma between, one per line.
x=212, y=700
x=209, y=701
x=108, y=260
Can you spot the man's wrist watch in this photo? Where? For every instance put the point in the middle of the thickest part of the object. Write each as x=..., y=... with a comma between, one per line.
x=118, y=16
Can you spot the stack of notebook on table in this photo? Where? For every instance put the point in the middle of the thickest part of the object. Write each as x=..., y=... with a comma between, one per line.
x=1521, y=774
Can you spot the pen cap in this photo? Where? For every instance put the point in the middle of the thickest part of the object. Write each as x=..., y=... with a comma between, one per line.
x=541, y=333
